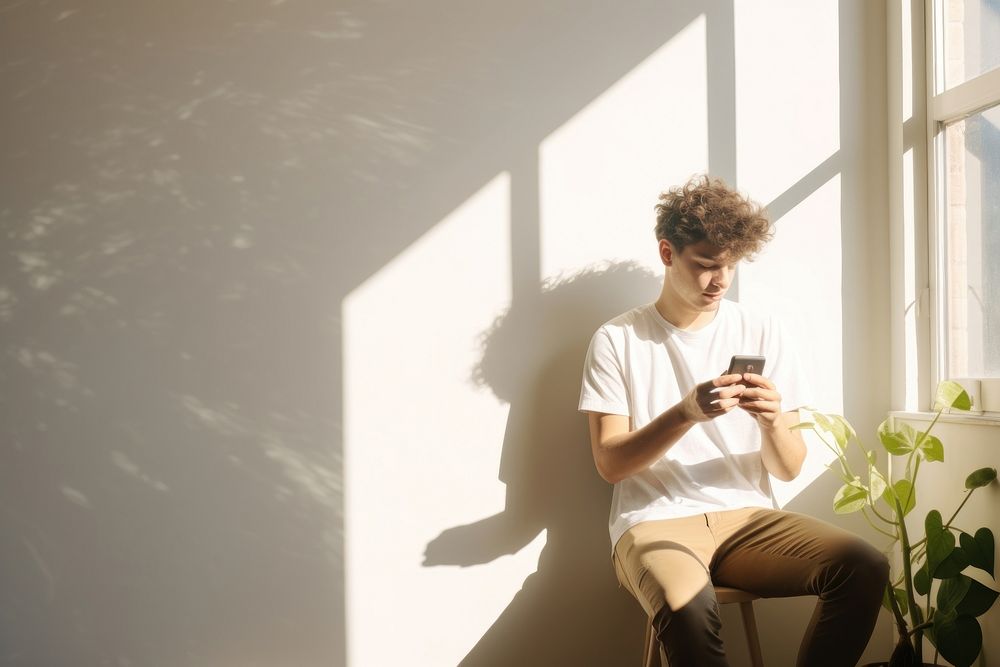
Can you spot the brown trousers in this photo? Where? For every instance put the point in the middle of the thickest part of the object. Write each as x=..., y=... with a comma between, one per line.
x=671, y=566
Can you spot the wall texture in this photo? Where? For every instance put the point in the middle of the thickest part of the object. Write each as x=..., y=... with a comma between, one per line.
x=295, y=294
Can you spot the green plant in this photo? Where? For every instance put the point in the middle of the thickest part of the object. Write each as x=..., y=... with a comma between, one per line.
x=935, y=562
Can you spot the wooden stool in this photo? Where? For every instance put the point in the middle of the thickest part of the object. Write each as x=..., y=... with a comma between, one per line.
x=724, y=596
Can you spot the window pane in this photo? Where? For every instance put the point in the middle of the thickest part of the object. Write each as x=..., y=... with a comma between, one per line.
x=971, y=39
x=972, y=196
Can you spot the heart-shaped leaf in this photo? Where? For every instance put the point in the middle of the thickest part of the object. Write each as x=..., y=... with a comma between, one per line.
x=905, y=494
x=952, y=591
x=980, y=477
x=931, y=449
x=921, y=582
x=940, y=541
x=979, y=549
x=954, y=563
x=889, y=496
x=959, y=638
x=850, y=498
x=877, y=483
x=835, y=425
x=844, y=426
x=950, y=394
x=898, y=593
x=977, y=600
x=898, y=442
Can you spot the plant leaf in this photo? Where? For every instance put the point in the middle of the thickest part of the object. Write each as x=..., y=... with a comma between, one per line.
x=952, y=591
x=977, y=600
x=959, y=638
x=845, y=426
x=895, y=442
x=930, y=631
x=979, y=549
x=931, y=449
x=980, y=477
x=940, y=541
x=876, y=482
x=921, y=582
x=885, y=598
x=898, y=593
x=850, y=498
x=889, y=496
x=951, y=395
x=954, y=563
x=836, y=426
x=803, y=425
x=901, y=441
x=905, y=493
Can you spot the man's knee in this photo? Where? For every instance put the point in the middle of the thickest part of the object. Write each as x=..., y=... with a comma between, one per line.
x=857, y=564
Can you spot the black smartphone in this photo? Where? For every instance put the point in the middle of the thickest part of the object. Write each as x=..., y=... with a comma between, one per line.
x=746, y=363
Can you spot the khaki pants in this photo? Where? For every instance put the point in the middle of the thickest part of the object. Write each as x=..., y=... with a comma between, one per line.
x=670, y=567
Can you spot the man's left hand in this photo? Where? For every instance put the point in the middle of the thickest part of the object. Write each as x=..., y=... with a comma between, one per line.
x=761, y=400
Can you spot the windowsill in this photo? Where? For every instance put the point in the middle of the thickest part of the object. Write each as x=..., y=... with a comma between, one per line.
x=984, y=419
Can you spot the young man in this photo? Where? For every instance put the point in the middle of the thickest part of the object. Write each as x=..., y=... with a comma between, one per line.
x=690, y=448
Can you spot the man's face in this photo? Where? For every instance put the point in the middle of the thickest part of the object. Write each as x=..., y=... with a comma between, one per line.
x=700, y=274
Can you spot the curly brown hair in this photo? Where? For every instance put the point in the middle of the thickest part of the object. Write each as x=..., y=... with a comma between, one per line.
x=707, y=209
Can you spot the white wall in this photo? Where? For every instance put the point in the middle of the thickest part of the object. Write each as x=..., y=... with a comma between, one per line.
x=295, y=298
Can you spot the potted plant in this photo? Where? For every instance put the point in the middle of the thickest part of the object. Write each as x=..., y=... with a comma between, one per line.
x=931, y=595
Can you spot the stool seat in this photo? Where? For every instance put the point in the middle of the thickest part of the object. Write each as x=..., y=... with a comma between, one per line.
x=724, y=595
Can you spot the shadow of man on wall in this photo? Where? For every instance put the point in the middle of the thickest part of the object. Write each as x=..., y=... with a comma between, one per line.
x=571, y=610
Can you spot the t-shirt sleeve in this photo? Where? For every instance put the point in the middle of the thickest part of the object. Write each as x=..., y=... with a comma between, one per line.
x=787, y=373
x=603, y=387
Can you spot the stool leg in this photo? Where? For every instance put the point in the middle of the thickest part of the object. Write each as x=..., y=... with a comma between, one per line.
x=750, y=628
x=651, y=647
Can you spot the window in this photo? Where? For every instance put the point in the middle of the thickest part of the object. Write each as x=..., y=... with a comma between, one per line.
x=972, y=238
x=969, y=45
x=964, y=112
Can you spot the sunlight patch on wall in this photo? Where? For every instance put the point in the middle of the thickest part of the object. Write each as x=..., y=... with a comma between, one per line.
x=787, y=92
x=600, y=173
x=797, y=278
x=422, y=444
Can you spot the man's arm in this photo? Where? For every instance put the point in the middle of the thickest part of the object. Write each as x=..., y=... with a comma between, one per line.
x=781, y=450
x=620, y=453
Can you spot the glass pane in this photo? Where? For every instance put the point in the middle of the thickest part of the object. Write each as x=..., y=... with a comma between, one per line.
x=972, y=197
x=971, y=34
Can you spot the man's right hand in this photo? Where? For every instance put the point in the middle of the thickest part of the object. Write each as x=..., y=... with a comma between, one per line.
x=715, y=397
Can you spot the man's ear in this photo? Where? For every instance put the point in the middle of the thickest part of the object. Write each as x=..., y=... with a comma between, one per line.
x=666, y=253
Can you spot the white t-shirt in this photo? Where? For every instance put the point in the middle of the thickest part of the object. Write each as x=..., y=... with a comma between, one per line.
x=639, y=365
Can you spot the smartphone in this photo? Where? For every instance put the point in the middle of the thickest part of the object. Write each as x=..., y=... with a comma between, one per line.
x=746, y=363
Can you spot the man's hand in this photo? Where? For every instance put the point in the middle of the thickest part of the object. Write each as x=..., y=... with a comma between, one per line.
x=781, y=450
x=715, y=397
x=761, y=400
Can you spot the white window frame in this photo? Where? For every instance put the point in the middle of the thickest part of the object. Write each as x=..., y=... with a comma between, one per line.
x=952, y=105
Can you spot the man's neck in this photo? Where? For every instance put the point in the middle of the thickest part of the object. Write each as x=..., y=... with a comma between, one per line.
x=680, y=314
